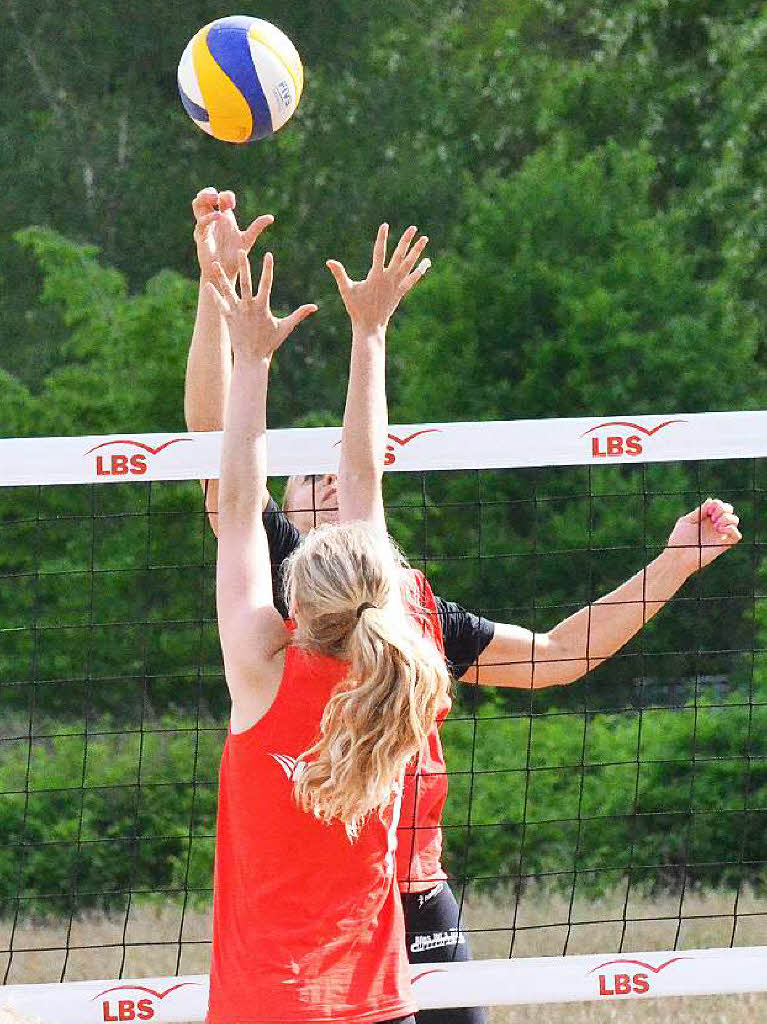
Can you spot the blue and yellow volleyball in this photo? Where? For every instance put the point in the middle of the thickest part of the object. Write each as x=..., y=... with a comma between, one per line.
x=240, y=79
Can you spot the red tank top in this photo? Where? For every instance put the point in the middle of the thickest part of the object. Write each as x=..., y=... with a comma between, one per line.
x=419, y=836
x=307, y=926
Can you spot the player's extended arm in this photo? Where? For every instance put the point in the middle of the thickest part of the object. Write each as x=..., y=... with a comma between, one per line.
x=517, y=657
x=209, y=364
x=370, y=305
x=251, y=629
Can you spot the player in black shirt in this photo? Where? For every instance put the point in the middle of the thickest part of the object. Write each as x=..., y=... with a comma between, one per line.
x=498, y=654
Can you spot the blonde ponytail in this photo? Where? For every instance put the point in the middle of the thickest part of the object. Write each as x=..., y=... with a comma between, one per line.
x=343, y=584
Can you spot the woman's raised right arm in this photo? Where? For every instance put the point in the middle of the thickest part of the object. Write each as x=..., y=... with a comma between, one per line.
x=209, y=364
x=252, y=631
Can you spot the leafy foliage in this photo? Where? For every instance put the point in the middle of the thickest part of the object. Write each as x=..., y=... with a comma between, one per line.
x=116, y=811
x=591, y=176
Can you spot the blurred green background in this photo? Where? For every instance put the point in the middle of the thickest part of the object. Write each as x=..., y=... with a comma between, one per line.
x=591, y=176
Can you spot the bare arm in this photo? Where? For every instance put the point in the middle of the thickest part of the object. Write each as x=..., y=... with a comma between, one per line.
x=209, y=364
x=366, y=423
x=370, y=304
x=575, y=646
x=208, y=367
x=208, y=379
x=252, y=631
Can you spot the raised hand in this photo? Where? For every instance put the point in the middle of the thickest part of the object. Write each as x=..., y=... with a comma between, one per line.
x=217, y=235
x=705, y=533
x=255, y=333
x=370, y=303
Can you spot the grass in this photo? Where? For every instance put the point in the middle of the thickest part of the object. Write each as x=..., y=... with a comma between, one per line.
x=155, y=941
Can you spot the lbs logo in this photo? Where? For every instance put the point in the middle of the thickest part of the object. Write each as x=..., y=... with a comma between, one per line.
x=614, y=983
x=135, y=1007
x=128, y=461
x=613, y=439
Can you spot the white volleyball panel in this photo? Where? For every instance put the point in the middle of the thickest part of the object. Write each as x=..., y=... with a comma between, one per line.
x=276, y=82
x=280, y=44
x=187, y=78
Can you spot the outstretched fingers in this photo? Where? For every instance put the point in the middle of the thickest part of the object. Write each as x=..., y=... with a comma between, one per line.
x=403, y=245
x=289, y=323
x=379, y=247
x=246, y=282
x=251, y=234
x=224, y=286
x=264, y=293
x=342, y=279
x=415, y=276
x=415, y=253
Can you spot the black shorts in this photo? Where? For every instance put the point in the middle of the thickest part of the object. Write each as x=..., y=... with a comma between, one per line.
x=434, y=935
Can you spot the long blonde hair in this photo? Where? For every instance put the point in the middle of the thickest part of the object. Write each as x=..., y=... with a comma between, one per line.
x=343, y=585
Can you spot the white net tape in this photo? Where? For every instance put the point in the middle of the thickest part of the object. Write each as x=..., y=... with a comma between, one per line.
x=493, y=982
x=118, y=458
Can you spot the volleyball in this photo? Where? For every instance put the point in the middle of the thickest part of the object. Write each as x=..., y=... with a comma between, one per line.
x=240, y=79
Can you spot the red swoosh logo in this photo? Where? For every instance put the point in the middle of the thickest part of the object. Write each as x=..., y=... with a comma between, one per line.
x=634, y=426
x=406, y=440
x=425, y=974
x=142, y=988
x=641, y=963
x=140, y=444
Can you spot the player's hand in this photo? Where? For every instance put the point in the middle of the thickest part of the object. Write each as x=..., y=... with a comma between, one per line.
x=704, y=534
x=370, y=303
x=217, y=235
x=255, y=333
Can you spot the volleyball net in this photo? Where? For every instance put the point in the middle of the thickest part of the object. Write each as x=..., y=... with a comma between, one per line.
x=605, y=839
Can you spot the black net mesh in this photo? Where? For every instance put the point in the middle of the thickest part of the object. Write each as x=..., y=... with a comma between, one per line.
x=627, y=810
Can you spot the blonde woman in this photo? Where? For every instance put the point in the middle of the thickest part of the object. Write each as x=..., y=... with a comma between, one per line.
x=326, y=715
